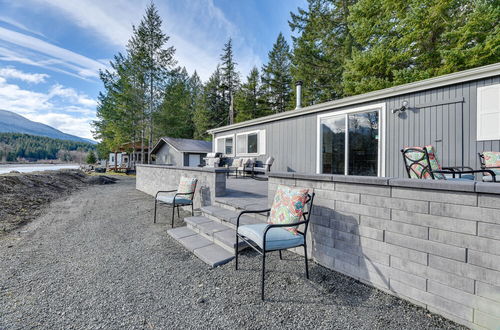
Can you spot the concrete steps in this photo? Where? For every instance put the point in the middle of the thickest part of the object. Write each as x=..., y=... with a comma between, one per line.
x=212, y=236
x=205, y=249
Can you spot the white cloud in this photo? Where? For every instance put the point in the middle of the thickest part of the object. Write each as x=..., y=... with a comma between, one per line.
x=34, y=78
x=198, y=29
x=82, y=65
x=79, y=126
x=52, y=107
x=19, y=25
x=71, y=95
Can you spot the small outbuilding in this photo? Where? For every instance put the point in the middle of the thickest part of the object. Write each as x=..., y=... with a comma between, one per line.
x=181, y=152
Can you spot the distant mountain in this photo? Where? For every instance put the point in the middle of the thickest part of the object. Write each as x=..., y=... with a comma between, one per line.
x=11, y=122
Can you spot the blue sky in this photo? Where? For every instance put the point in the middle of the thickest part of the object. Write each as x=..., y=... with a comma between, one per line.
x=51, y=50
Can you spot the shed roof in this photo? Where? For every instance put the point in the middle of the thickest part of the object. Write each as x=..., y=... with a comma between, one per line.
x=184, y=145
x=436, y=82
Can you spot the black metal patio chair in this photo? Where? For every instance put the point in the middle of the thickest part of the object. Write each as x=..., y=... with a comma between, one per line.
x=278, y=234
x=183, y=196
x=490, y=160
x=422, y=163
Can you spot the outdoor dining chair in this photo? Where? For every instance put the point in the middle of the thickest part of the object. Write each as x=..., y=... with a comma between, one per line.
x=291, y=208
x=183, y=196
x=490, y=160
x=422, y=163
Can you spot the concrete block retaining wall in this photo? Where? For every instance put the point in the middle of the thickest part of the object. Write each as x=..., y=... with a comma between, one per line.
x=434, y=243
x=211, y=181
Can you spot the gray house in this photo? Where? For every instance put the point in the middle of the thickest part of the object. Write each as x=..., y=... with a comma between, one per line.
x=458, y=113
x=181, y=152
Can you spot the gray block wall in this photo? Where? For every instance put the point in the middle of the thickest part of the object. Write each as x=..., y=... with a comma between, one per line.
x=436, y=244
x=211, y=182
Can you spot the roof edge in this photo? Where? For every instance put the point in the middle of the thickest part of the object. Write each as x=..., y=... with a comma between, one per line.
x=416, y=86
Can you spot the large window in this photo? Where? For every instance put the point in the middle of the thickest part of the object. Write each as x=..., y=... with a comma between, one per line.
x=250, y=143
x=350, y=143
x=488, y=113
x=224, y=145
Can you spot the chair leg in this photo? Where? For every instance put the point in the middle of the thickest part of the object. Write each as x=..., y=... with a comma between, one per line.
x=178, y=214
x=281, y=257
x=173, y=214
x=192, y=209
x=236, y=253
x=263, y=274
x=305, y=258
x=154, y=219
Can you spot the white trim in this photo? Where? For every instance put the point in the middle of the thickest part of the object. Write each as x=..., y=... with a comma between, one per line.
x=436, y=82
x=225, y=137
x=258, y=143
x=381, y=107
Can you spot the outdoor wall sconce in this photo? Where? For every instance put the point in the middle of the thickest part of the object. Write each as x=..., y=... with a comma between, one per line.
x=404, y=105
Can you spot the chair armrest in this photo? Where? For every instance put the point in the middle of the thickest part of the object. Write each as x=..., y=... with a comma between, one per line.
x=279, y=225
x=246, y=212
x=456, y=168
x=164, y=191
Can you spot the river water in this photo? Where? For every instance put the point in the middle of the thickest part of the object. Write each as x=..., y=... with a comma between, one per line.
x=25, y=168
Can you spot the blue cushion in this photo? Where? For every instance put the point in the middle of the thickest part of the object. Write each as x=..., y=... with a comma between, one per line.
x=458, y=179
x=463, y=177
x=170, y=200
x=276, y=238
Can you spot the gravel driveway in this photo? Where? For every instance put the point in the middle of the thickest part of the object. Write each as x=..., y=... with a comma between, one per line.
x=95, y=260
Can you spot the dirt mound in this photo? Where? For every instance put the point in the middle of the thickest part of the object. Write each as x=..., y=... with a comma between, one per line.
x=24, y=195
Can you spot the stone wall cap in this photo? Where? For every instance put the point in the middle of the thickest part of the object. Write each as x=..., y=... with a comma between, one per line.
x=488, y=187
x=468, y=186
x=186, y=168
x=373, y=180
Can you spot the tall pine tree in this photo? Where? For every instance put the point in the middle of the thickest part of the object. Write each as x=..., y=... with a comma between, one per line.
x=276, y=76
x=153, y=63
x=229, y=78
x=248, y=100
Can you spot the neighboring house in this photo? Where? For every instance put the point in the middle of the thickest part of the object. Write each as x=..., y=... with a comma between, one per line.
x=181, y=152
x=458, y=113
x=125, y=157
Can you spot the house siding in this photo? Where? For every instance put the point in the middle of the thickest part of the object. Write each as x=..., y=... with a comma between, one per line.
x=444, y=117
x=168, y=155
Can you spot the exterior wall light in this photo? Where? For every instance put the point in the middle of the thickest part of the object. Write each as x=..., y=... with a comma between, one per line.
x=403, y=108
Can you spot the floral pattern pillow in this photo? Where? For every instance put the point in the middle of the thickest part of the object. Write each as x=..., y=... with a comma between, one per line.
x=288, y=206
x=491, y=158
x=187, y=185
x=420, y=169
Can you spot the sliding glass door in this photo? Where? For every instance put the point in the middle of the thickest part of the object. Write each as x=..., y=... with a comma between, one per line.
x=350, y=143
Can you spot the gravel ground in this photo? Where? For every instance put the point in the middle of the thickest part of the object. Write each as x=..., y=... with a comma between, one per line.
x=95, y=260
x=24, y=196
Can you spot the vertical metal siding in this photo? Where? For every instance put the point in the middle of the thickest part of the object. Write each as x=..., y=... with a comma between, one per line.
x=292, y=141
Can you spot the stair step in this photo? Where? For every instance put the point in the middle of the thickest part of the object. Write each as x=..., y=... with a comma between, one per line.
x=180, y=232
x=238, y=206
x=214, y=255
x=228, y=216
x=194, y=242
x=195, y=221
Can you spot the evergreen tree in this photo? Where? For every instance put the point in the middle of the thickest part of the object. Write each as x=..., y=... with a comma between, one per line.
x=153, y=63
x=248, y=99
x=276, y=76
x=91, y=159
x=323, y=44
x=229, y=79
x=176, y=116
x=211, y=111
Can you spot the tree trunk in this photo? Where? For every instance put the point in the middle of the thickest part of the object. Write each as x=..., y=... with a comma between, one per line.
x=231, y=108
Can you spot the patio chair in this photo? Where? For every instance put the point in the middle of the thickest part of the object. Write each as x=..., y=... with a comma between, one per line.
x=490, y=160
x=422, y=163
x=240, y=165
x=266, y=168
x=183, y=196
x=281, y=232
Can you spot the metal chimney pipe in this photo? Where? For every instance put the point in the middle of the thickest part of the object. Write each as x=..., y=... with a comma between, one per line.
x=298, y=94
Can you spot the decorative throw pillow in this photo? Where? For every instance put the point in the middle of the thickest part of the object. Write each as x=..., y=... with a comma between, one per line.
x=237, y=162
x=187, y=185
x=435, y=166
x=491, y=158
x=288, y=206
